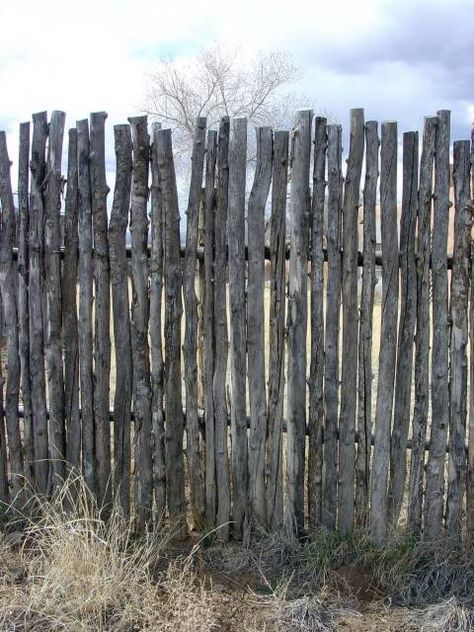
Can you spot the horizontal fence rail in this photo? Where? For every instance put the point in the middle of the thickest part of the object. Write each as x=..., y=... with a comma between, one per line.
x=253, y=374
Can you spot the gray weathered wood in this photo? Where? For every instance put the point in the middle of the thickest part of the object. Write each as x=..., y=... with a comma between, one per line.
x=193, y=443
x=10, y=314
x=4, y=490
x=470, y=450
x=276, y=357
x=422, y=335
x=434, y=496
x=238, y=373
x=350, y=331
x=316, y=383
x=69, y=312
x=297, y=320
x=52, y=261
x=121, y=316
x=86, y=375
x=156, y=344
x=256, y=323
x=36, y=272
x=388, y=332
x=23, y=307
x=208, y=333
x=365, y=376
x=334, y=282
x=173, y=315
x=459, y=338
x=99, y=191
x=139, y=322
x=406, y=328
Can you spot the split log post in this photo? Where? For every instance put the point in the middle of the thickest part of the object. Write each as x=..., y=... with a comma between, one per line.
x=470, y=449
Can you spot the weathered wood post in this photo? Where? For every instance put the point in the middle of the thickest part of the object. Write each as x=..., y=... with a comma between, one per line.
x=238, y=373
x=193, y=447
x=406, y=328
x=297, y=320
x=276, y=359
x=7, y=287
x=121, y=316
x=470, y=448
x=333, y=308
x=434, y=496
x=388, y=332
x=422, y=334
x=316, y=382
x=99, y=192
x=364, y=412
x=459, y=338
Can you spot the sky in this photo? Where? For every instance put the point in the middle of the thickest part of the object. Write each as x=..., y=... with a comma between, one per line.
x=399, y=59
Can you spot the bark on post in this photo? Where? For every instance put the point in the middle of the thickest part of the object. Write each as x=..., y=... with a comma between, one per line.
x=236, y=245
x=121, y=316
x=193, y=447
x=173, y=315
x=52, y=243
x=139, y=322
x=69, y=307
x=350, y=331
x=406, y=328
x=208, y=333
x=156, y=347
x=470, y=448
x=23, y=302
x=276, y=364
x=364, y=415
x=333, y=305
x=422, y=335
x=36, y=269
x=316, y=383
x=86, y=374
x=256, y=323
x=297, y=320
x=388, y=332
x=7, y=287
x=220, y=339
x=99, y=191
x=459, y=338
x=434, y=497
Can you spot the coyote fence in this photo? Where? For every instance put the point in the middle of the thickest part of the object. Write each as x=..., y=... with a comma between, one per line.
x=227, y=382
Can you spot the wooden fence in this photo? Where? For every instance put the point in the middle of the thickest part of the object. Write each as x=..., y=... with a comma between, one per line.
x=263, y=413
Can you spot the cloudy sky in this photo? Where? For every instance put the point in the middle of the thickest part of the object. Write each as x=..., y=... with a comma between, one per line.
x=399, y=59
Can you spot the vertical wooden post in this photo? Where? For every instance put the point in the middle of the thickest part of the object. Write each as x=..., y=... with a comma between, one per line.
x=52, y=243
x=406, y=328
x=220, y=338
x=470, y=448
x=388, y=332
x=86, y=374
x=459, y=338
x=4, y=490
x=156, y=345
x=434, y=497
x=193, y=447
x=23, y=301
x=236, y=245
x=256, y=323
x=276, y=359
x=173, y=315
x=350, y=235
x=364, y=414
x=316, y=383
x=333, y=307
x=7, y=287
x=139, y=322
x=208, y=333
x=69, y=309
x=121, y=316
x=99, y=191
x=422, y=335
x=297, y=320
x=36, y=269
